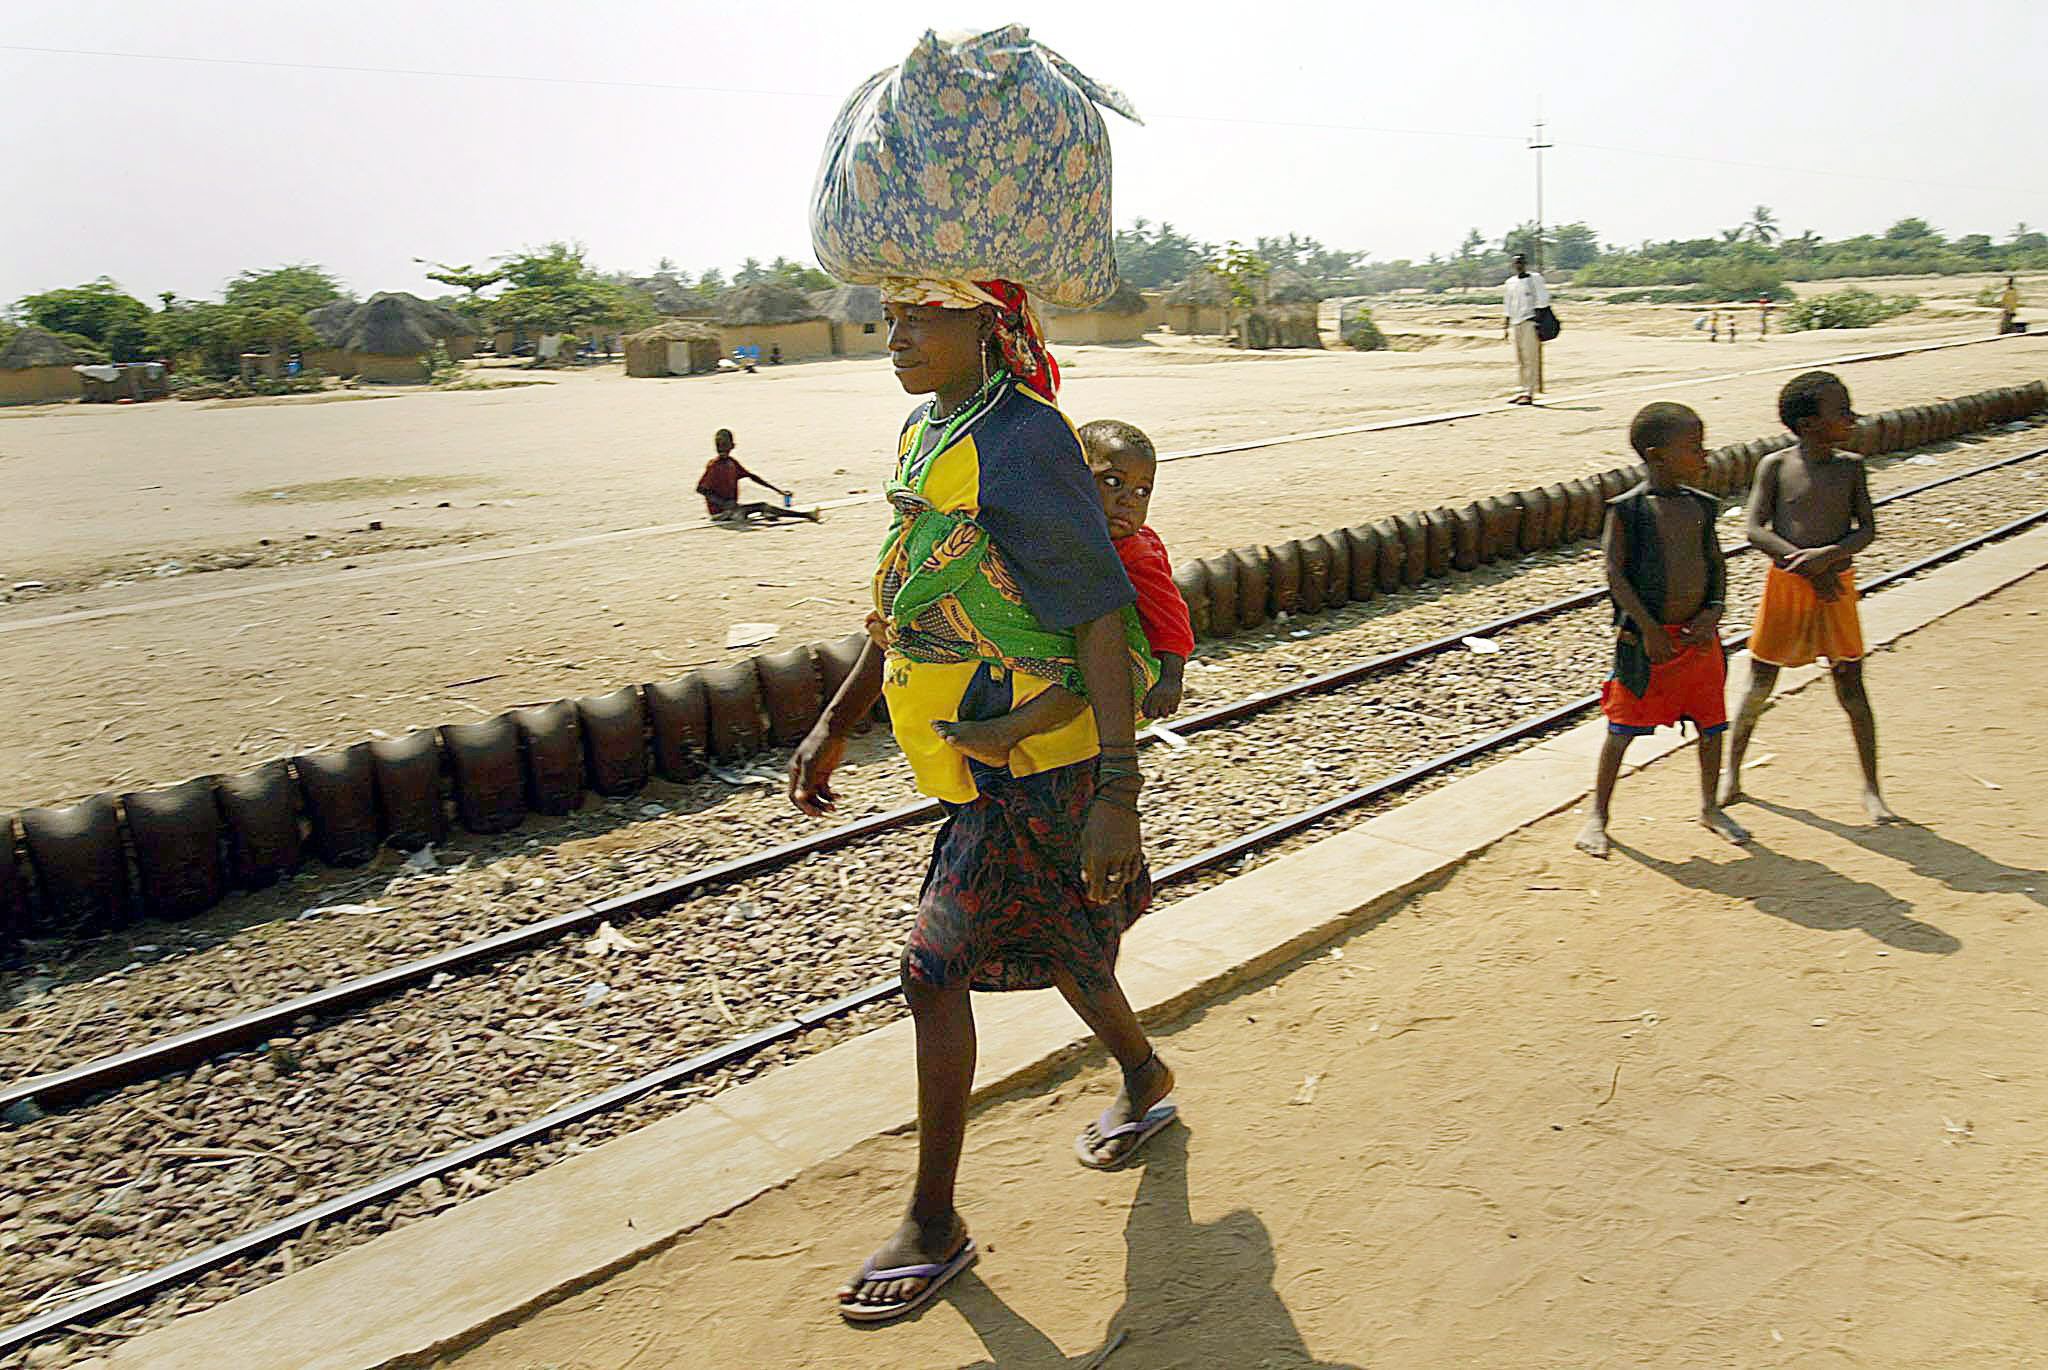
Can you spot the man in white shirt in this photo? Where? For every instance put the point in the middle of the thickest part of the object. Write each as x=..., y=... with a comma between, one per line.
x=1521, y=296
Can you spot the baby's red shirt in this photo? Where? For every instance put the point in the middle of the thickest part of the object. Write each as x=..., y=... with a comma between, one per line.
x=1161, y=611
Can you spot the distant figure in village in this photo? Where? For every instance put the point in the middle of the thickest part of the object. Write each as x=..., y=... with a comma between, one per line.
x=2008, y=307
x=1809, y=511
x=1522, y=294
x=1714, y=327
x=720, y=487
x=1669, y=585
x=1763, y=316
x=775, y=354
x=1125, y=466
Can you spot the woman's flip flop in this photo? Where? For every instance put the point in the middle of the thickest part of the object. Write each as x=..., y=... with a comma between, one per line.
x=935, y=1277
x=1140, y=1132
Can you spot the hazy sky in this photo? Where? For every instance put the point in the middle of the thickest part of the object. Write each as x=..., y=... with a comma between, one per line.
x=651, y=129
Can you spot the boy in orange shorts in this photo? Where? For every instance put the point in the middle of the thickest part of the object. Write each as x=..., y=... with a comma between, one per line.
x=1669, y=584
x=1809, y=511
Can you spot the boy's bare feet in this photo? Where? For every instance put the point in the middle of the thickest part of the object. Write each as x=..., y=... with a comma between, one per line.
x=1152, y=1082
x=1721, y=825
x=1592, y=839
x=988, y=742
x=1877, y=810
x=914, y=1243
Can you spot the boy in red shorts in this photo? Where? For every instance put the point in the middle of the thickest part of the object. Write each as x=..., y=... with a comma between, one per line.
x=1669, y=583
x=1125, y=465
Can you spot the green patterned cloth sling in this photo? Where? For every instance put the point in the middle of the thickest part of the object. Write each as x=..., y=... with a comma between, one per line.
x=943, y=591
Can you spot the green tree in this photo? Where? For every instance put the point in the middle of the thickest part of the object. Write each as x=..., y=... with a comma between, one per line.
x=1763, y=225
x=1240, y=269
x=796, y=275
x=213, y=337
x=1914, y=232
x=1573, y=246
x=302, y=286
x=464, y=277
x=99, y=313
x=1149, y=255
x=554, y=290
x=751, y=272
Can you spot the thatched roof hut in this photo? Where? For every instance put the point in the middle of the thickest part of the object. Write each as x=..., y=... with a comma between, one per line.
x=37, y=347
x=849, y=304
x=395, y=324
x=35, y=367
x=1201, y=287
x=387, y=337
x=755, y=305
x=1284, y=285
x=673, y=347
x=777, y=320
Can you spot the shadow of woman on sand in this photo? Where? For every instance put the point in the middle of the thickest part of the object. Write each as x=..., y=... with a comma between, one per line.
x=1194, y=1294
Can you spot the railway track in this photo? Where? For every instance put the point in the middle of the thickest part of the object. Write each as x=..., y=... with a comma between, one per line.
x=1413, y=759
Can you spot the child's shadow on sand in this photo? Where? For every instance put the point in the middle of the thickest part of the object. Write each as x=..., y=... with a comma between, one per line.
x=1931, y=856
x=1807, y=893
x=1194, y=1294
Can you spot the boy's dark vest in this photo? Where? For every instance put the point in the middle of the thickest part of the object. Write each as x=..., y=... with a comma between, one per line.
x=1645, y=571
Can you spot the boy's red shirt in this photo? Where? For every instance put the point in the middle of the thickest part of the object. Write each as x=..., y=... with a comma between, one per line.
x=1161, y=611
x=720, y=485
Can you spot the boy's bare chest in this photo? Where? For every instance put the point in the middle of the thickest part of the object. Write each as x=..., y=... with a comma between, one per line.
x=1819, y=486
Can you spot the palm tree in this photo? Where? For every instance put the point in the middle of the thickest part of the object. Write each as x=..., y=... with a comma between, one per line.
x=1731, y=236
x=1763, y=225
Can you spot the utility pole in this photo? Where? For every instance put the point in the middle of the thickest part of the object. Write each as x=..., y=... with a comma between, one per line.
x=1537, y=145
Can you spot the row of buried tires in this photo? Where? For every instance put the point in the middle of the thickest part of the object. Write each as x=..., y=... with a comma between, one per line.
x=171, y=853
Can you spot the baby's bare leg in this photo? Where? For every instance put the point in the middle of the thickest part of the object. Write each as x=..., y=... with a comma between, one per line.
x=990, y=741
x=1848, y=678
x=1763, y=678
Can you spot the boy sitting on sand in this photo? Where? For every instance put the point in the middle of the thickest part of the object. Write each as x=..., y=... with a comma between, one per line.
x=1125, y=465
x=1809, y=511
x=1669, y=583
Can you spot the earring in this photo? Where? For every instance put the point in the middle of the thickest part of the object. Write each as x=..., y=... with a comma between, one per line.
x=984, y=365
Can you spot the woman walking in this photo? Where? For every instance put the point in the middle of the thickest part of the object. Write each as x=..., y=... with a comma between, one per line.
x=996, y=582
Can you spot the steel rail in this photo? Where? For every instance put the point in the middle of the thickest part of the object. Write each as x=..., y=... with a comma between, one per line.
x=62, y=1088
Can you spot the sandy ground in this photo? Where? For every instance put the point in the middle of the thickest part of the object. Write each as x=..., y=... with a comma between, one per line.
x=318, y=654
x=1693, y=1107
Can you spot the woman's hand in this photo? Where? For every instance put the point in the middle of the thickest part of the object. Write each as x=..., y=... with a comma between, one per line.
x=1112, y=849
x=810, y=771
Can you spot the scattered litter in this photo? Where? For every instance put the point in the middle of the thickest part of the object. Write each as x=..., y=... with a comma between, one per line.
x=749, y=634
x=1307, y=1093
x=27, y=585
x=441, y=977
x=1956, y=1129
x=609, y=939
x=1987, y=784
x=594, y=991
x=1776, y=1335
x=732, y=775
x=1299, y=632
x=423, y=859
x=345, y=910
x=1766, y=759
x=652, y=810
x=1923, y=460
x=1206, y=666
x=1485, y=646
x=1172, y=739
x=1820, y=1022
